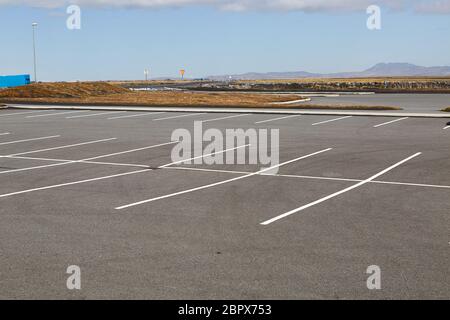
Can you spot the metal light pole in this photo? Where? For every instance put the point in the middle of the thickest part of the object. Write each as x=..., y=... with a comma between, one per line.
x=34, y=25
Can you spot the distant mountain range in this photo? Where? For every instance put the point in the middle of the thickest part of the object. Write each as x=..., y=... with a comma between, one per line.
x=379, y=70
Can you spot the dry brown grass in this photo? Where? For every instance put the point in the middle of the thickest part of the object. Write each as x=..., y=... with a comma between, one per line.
x=61, y=90
x=180, y=99
x=112, y=95
x=102, y=93
x=446, y=109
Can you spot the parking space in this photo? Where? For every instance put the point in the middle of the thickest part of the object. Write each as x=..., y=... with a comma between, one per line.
x=100, y=189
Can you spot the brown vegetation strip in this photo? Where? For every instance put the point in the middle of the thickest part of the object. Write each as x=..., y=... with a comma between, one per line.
x=61, y=90
x=447, y=109
x=173, y=99
x=101, y=93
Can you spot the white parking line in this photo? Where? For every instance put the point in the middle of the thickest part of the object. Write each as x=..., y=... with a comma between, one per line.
x=412, y=184
x=72, y=183
x=446, y=127
x=142, y=114
x=182, y=116
x=220, y=182
x=66, y=161
x=20, y=113
x=332, y=120
x=95, y=179
x=26, y=140
x=408, y=184
x=389, y=122
x=262, y=174
x=264, y=121
x=202, y=156
x=95, y=114
x=62, y=147
x=284, y=215
x=4, y=134
x=54, y=114
x=63, y=162
x=34, y=168
x=87, y=161
x=132, y=150
x=223, y=118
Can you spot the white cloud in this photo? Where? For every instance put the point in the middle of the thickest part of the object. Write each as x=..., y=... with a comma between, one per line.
x=423, y=6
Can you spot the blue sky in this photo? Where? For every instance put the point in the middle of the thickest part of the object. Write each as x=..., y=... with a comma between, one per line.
x=117, y=42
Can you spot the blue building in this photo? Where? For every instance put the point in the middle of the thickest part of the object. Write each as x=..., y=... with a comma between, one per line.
x=14, y=81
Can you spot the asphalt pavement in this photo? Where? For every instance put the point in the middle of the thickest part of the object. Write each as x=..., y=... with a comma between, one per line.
x=99, y=190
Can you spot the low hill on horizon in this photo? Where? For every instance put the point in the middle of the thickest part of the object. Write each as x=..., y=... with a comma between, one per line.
x=378, y=70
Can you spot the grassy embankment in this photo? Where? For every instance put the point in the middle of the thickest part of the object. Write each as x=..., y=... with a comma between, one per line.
x=102, y=93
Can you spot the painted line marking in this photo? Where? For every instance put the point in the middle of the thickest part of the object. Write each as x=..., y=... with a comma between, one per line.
x=95, y=114
x=72, y=183
x=332, y=120
x=202, y=156
x=262, y=174
x=112, y=163
x=62, y=147
x=219, y=183
x=389, y=122
x=88, y=159
x=316, y=178
x=224, y=118
x=408, y=184
x=4, y=134
x=99, y=178
x=142, y=114
x=80, y=161
x=264, y=121
x=284, y=215
x=446, y=127
x=20, y=113
x=34, y=168
x=53, y=114
x=132, y=150
x=412, y=184
x=26, y=140
x=182, y=116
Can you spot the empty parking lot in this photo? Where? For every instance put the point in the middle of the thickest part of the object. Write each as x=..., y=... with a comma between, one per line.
x=99, y=189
